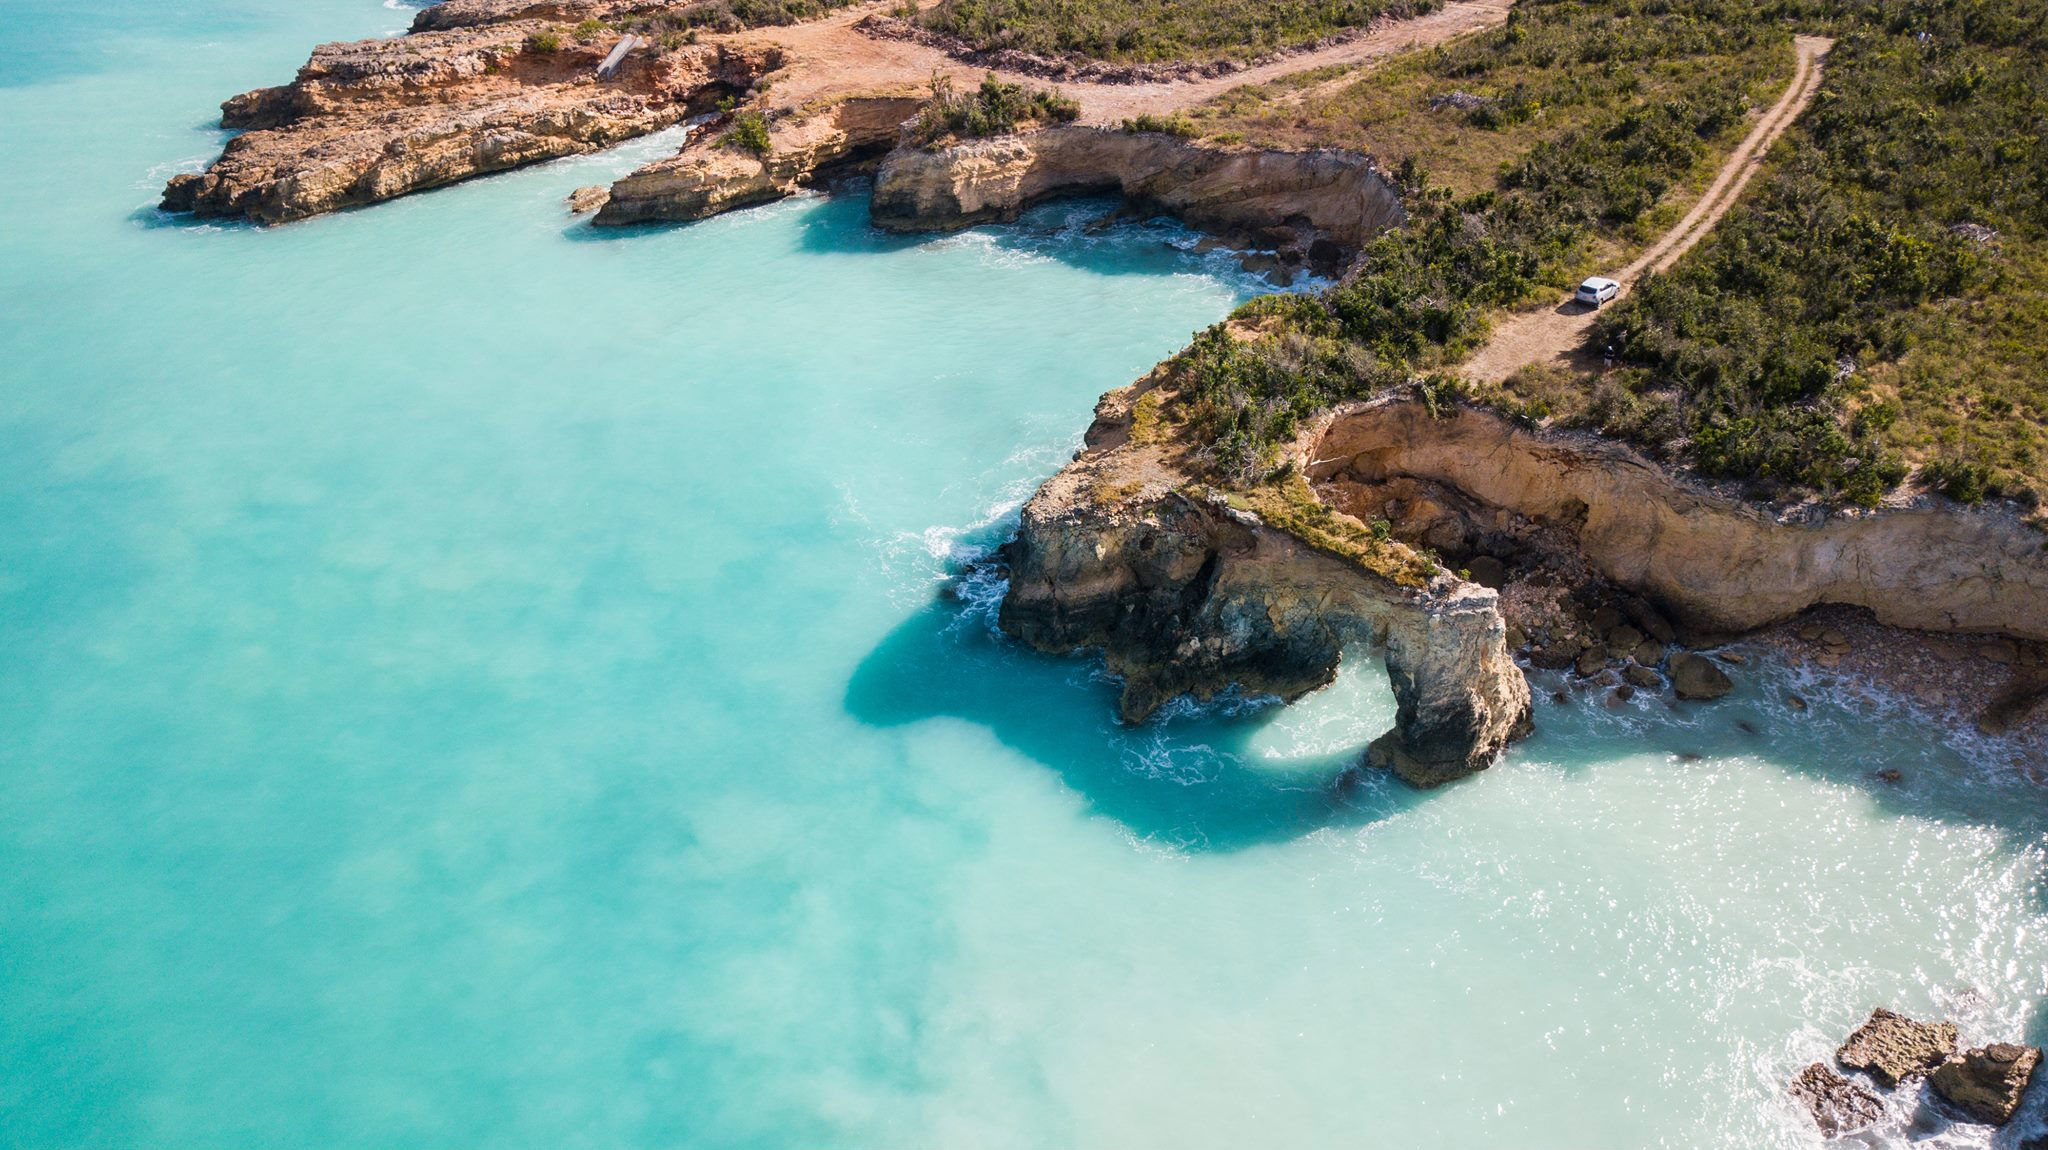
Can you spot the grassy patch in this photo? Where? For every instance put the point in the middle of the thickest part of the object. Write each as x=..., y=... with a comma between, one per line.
x=1157, y=30
x=1175, y=124
x=1463, y=112
x=1287, y=503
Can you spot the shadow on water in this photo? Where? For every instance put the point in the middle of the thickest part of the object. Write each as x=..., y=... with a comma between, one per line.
x=1190, y=780
x=1091, y=233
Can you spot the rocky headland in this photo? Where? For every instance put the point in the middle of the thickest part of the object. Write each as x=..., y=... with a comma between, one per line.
x=1192, y=591
x=479, y=86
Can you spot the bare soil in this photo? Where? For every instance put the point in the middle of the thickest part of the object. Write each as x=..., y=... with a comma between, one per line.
x=831, y=59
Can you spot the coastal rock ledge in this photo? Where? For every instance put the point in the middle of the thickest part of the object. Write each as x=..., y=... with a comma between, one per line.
x=1185, y=595
x=1332, y=200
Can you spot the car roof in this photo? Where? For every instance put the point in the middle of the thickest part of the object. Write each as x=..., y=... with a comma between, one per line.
x=1598, y=282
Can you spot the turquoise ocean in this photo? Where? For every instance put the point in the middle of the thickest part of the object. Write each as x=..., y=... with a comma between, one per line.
x=471, y=681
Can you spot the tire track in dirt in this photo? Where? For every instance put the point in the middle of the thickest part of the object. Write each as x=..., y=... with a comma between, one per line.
x=1554, y=333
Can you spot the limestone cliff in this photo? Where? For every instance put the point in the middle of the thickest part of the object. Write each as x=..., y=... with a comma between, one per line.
x=1186, y=595
x=708, y=177
x=1339, y=198
x=374, y=119
x=1715, y=562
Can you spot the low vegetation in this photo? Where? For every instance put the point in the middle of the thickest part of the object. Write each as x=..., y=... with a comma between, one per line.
x=749, y=133
x=722, y=16
x=1157, y=30
x=1174, y=124
x=1882, y=297
x=1877, y=299
x=1605, y=111
x=993, y=108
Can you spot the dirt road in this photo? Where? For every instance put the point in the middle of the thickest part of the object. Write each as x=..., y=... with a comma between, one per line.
x=1553, y=333
x=831, y=58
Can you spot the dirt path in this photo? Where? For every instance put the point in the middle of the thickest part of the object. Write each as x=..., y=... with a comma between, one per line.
x=1553, y=333
x=831, y=58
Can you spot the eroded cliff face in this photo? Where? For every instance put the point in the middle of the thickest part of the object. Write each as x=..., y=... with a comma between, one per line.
x=1715, y=563
x=1336, y=197
x=708, y=177
x=1184, y=595
x=374, y=119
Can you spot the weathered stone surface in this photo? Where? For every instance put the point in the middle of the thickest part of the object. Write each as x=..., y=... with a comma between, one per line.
x=588, y=199
x=1838, y=1105
x=1184, y=595
x=1338, y=197
x=1714, y=563
x=708, y=177
x=1987, y=1083
x=374, y=119
x=1696, y=677
x=1643, y=677
x=1893, y=1048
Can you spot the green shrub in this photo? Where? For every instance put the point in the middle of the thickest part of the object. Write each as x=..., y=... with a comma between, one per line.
x=749, y=132
x=994, y=108
x=590, y=29
x=1176, y=124
x=546, y=40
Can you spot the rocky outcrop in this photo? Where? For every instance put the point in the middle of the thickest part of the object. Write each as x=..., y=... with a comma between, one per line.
x=1696, y=677
x=1987, y=1083
x=374, y=119
x=1838, y=1105
x=1713, y=562
x=1184, y=594
x=709, y=176
x=1893, y=1048
x=1338, y=198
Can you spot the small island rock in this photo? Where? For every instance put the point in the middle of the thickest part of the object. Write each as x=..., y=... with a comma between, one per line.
x=1987, y=1083
x=1894, y=1048
x=1838, y=1105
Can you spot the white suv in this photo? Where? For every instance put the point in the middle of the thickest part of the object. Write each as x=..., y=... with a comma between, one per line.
x=1597, y=290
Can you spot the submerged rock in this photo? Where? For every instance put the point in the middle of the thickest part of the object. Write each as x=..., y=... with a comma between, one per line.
x=1838, y=1105
x=1696, y=677
x=1987, y=1083
x=1894, y=1048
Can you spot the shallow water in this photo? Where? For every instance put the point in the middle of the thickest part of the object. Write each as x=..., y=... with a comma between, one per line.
x=465, y=680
